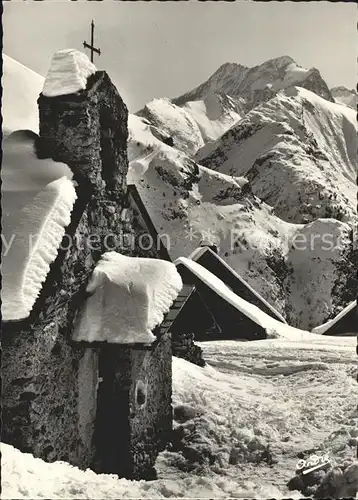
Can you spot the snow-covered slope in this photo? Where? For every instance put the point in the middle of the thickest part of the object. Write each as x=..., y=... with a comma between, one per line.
x=21, y=89
x=215, y=113
x=189, y=203
x=342, y=95
x=196, y=122
x=174, y=121
x=299, y=153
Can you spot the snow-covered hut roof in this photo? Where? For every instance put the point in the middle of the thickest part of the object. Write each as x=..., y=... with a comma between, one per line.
x=321, y=329
x=129, y=297
x=212, y=261
x=68, y=73
x=221, y=289
x=37, y=200
x=273, y=327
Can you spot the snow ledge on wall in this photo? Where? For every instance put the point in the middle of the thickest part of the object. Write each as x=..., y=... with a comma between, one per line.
x=26, y=265
x=129, y=297
x=68, y=73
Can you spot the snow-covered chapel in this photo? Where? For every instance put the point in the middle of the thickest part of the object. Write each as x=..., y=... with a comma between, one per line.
x=86, y=372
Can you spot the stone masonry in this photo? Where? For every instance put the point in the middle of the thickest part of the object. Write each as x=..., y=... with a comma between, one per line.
x=55, y=403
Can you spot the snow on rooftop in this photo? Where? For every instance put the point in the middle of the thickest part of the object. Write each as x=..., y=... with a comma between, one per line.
x=326, y=326
x=32, y=235
x=68, y=73
x=273, y=327
x=218, y=286
x=129, y=297
x=198, y=252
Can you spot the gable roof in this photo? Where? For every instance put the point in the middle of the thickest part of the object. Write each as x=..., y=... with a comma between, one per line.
x=191, y=270
x=137, y=205
x=215, y=264
x=345, y=322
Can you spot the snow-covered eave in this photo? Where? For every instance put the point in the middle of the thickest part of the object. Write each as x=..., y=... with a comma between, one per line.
x=196, y=254
x=326, y=326
x=27, y=266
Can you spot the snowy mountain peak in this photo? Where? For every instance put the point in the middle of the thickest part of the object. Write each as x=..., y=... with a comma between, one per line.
x=277, y=62
x=228, y=68
x=259, y=83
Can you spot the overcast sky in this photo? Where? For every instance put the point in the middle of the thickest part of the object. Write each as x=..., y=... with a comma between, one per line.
x=158, y=49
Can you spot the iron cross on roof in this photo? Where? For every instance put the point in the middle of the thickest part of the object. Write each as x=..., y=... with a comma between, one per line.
x=91, y=45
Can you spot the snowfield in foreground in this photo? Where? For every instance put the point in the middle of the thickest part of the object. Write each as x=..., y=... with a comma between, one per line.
x=294, y=394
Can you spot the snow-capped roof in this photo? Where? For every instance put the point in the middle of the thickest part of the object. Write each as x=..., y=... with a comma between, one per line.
x=254, y=313
x=68, y=73
x=33, y=236
x=198, y=252
x=273, y=327
x=326, y=326
x=130, y=296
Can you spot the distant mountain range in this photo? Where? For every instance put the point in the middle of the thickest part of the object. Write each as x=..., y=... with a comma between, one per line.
x=249, y=160
x=342, y=95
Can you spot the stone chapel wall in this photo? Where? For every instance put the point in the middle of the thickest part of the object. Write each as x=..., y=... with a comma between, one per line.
x=49, y=382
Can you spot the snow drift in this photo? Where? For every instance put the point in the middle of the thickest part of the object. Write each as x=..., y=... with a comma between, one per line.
x=129, y=297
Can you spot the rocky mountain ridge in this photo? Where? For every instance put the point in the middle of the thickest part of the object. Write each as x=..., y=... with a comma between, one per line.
x=263, y=80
